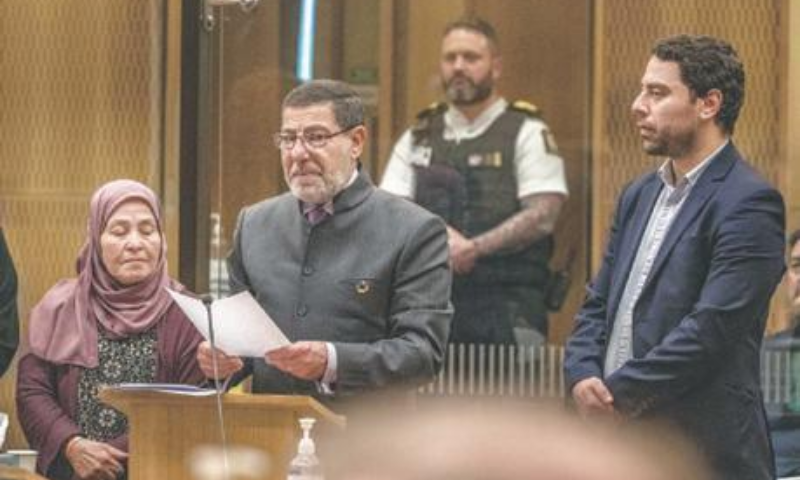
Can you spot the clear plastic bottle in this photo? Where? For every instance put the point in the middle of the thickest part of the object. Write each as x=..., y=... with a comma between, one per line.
x=305, y=465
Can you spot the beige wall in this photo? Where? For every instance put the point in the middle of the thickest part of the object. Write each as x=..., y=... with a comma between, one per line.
x=421, y=63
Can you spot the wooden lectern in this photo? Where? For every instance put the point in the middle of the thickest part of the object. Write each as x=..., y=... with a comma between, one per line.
x=16, y=473
x=165, y=427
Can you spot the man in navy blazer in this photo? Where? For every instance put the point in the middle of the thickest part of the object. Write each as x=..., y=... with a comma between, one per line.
x=671, y=327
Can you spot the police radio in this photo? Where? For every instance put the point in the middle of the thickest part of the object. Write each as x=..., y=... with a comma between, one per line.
x=558, y=286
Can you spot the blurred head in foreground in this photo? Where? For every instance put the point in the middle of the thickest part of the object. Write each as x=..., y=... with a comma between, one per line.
x=508, y=444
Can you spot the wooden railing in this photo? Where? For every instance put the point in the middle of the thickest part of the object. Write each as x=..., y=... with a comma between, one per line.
x=537, y=372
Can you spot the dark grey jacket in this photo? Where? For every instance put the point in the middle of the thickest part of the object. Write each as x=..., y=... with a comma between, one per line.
x=373, y=279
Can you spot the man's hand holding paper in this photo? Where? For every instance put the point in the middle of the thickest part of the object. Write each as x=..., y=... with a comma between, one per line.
x=306, y=360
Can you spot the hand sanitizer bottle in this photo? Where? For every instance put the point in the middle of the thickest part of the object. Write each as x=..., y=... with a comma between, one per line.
x=305, y=465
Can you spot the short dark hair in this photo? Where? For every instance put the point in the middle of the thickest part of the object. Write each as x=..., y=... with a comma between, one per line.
x=707, y=63
x=794, y=237
x=474, y=24
x=348, y=108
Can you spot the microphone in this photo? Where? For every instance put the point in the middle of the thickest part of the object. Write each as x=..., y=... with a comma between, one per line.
x=208, y=300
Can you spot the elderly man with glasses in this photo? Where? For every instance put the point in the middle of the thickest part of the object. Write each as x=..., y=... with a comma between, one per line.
x=357, y=278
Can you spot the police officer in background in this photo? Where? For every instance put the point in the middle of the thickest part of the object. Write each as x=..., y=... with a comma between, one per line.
x=491, y=169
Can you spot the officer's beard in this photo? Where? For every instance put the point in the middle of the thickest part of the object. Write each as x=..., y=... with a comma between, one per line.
x=466, y=91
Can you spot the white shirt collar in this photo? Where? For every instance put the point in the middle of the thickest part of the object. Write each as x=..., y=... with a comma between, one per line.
x=667, y=175
x=352, y=178
x=458, y=127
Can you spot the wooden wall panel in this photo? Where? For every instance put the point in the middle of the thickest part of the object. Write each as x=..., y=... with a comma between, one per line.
x=419, y=64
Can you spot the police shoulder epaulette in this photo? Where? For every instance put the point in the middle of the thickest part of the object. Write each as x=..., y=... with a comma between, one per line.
x=527, y=108
x=432, y=109
x=420, y=131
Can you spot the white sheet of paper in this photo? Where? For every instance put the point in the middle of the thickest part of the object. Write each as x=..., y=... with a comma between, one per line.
x=241, y=326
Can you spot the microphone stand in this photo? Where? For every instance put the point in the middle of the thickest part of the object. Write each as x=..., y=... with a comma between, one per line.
x=208, y=300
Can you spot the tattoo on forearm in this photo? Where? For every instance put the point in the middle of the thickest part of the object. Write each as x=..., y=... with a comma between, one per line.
x=536, y=220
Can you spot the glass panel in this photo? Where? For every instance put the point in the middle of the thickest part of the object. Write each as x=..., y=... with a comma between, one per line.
x=251, y=60
x=386, y=50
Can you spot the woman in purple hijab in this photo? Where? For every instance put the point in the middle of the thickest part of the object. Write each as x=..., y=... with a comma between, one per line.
x=114, y=323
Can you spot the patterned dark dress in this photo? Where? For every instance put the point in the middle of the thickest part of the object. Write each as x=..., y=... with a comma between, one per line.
x=131, y=359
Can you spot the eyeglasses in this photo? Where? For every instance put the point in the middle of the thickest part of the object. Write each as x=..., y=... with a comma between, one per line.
x=312, y=139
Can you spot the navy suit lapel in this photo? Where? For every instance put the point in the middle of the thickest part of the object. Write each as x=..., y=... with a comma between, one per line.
x=707, y=185
x=630, y=243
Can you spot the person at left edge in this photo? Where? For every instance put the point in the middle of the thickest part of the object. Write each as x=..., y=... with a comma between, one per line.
x=781, y=365
x=356, y=278
x=9, y=323
x=114, y=323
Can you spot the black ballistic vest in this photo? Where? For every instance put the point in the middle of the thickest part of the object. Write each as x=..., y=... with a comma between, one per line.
x=472, y=185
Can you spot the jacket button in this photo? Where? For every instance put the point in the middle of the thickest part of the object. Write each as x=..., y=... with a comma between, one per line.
x=308, y=270
x=302, y=310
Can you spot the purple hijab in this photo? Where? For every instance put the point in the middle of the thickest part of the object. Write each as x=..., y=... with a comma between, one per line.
x=63, y=325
